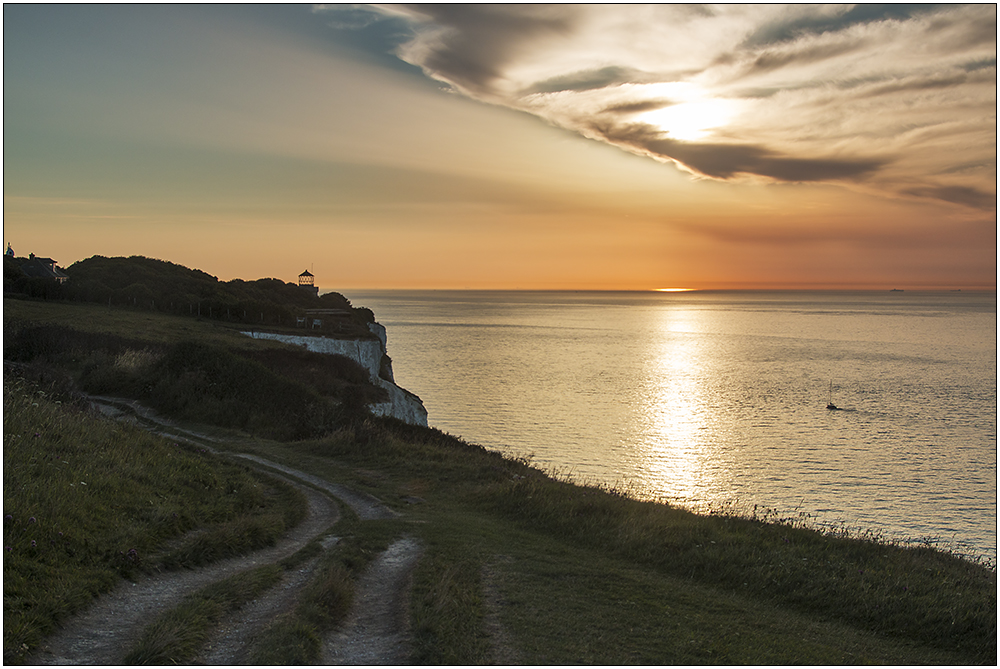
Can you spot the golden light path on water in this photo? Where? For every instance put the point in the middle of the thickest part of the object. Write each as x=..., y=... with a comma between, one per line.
x=671, y=412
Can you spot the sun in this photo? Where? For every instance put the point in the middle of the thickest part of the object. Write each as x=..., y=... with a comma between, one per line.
x=692, y=113
x=674, y=290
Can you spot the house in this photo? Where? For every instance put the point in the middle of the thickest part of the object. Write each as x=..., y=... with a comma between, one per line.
x=43, y=268
x=336, y=319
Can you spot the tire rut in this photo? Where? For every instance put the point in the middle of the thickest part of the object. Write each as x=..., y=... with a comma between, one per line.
x=377, y=628
x=114, y=623
x=230, y=644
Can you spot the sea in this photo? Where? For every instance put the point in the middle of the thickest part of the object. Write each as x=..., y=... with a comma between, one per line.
x=717, y=400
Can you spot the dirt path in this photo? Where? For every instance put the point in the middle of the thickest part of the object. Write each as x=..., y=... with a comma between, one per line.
x=230, y=643
x=504, y=652
x=106, y=631
x=375, y=632
x=377, y=628
x=366, y=506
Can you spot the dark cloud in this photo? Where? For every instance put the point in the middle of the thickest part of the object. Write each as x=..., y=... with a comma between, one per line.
x=638, y=107
x=969, y=197
x=984, y=64
x=929, y=82
x=808, y=53
x=778, y=32
x=589, y=80
x=478, y=41
x=726, y=161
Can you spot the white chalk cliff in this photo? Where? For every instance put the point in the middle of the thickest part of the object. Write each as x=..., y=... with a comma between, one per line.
x=368, y=353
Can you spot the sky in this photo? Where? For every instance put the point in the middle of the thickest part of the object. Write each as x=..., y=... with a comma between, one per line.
x=607, y=147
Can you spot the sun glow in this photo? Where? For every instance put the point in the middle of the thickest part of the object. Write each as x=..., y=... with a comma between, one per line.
x=673, y=290
x=691, y=114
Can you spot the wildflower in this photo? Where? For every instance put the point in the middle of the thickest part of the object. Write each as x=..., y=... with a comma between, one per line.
x=31, y=520
x=38, y=434
x=8, y=518
x=8, y=548
x=32, y=543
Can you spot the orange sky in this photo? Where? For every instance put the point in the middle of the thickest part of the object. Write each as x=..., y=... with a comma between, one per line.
x=511, y=147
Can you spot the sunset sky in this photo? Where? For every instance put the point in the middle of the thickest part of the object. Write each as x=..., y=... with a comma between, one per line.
x=510, y=146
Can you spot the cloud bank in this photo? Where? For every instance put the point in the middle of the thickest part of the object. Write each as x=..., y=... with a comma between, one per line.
x=899, y=100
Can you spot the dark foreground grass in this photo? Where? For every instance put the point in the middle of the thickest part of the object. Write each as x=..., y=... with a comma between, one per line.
x=910, y=593
x=88, y=501
x=873, y=599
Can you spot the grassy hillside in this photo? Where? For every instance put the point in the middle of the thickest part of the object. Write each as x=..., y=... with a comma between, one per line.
x=572, y=574
x=88, y=501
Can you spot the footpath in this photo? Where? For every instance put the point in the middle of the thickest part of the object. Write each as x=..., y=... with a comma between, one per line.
x=375, y=632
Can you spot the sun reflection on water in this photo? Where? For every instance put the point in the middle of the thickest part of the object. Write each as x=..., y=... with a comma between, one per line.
x=674, y=449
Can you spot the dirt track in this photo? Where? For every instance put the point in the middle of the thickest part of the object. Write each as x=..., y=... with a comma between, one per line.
x=375, y=632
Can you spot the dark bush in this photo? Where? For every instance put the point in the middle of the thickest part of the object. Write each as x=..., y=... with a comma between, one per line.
x=211, y=384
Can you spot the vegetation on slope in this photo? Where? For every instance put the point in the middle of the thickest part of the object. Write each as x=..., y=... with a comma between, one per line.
x=283, y=393
x=87, y=501
x=910, y=594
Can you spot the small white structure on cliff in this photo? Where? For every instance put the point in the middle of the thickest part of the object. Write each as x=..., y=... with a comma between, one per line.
x=368, y=353
x=307, y=281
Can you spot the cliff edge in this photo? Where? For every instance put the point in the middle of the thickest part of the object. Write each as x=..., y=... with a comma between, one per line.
x=370, y=354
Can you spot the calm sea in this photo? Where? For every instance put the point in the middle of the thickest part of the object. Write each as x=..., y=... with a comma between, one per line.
x=704, y=399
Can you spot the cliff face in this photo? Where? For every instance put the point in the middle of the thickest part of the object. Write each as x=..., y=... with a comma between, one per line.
x=368, y=353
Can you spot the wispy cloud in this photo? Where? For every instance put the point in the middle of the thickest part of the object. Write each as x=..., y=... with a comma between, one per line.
x=897, y=99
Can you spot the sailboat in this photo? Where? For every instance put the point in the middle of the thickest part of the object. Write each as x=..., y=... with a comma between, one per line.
x=829, y=400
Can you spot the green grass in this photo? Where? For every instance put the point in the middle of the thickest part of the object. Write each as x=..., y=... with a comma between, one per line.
x=576, y=605
x=87, y=501
x=153, y=326
x=874, y=586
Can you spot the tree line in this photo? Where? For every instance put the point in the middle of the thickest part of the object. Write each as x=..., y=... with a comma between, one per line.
x=158, y=285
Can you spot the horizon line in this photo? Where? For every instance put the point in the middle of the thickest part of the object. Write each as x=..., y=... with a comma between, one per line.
x=919, y=289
